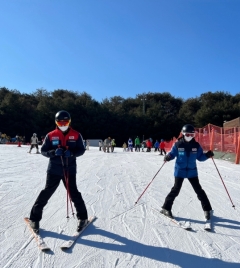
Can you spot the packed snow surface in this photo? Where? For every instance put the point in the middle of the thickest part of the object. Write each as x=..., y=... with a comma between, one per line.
x=124, y=234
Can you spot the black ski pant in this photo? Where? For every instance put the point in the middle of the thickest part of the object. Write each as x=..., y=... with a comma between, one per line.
x=52, y=183
x=162, y=150
x=176, y=190
x=137, y=148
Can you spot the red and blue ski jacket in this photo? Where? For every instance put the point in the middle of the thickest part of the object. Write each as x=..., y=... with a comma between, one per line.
x=71, y=140
x=186, y=154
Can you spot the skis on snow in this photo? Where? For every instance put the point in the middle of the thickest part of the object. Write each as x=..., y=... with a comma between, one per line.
x=40, y=242
x=185, y=226
x=74, y=237
x=65, y=245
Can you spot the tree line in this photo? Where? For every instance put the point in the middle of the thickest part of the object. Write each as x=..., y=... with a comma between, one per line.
x=155, y=115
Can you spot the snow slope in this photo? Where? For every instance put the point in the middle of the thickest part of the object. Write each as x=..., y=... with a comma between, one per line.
x=123, y=235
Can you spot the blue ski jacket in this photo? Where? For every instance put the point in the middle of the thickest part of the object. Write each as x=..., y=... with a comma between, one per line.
x=156, y=144
x=186, y=154
x=71, y=140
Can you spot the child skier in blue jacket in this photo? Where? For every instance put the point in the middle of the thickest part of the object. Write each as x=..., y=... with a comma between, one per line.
x=187, y=151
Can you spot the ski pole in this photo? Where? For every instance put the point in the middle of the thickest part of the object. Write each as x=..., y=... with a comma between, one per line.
x=223, y=183
x=67, y=184
x=126, y=211
x=150, y=182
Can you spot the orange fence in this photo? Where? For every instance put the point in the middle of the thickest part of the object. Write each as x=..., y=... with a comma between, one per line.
x=220, y=139
x=211, y=137
x=169, y=144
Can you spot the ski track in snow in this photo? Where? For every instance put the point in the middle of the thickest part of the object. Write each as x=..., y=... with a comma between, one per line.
x=124, y=234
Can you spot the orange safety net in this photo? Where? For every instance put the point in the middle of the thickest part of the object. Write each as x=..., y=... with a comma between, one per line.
x=216, y=138
x=220, y=139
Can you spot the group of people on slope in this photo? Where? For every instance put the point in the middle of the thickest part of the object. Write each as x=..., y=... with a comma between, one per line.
x=63, y=145
x=107, y=145
x=159, y=146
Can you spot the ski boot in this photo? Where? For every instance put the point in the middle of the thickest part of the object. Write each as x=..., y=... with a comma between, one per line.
x=81, y=224
x=34, y=225
x=207, y=214
x=167, y=213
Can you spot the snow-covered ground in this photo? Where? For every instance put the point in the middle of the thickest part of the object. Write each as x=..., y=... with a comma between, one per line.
x=120, y=236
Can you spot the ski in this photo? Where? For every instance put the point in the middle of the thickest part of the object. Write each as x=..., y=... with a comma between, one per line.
x=208, y=223
x=185, y=226
x=74, y=237
x=40, y=242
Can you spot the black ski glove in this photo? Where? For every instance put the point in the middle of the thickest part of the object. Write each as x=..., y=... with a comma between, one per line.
x=167, y=157
x=209, y=154
x=51, y=153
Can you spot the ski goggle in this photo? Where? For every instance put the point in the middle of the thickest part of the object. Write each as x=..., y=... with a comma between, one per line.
x=62, y=123
x=189, y=134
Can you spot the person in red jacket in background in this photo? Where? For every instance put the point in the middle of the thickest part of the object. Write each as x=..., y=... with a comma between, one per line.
x=149, y=145
x=162, y=147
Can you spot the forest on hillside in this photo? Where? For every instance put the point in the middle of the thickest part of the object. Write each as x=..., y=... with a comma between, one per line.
x=155, y=115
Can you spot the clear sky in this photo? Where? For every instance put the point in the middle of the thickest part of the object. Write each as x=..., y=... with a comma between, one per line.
x=121, y=47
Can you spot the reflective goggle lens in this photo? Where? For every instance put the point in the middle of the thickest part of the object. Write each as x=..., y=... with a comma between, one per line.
x=62, y=123
x=189, y=134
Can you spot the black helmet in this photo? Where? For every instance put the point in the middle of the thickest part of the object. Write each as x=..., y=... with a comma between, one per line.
x=188, y=129
x=62, y=115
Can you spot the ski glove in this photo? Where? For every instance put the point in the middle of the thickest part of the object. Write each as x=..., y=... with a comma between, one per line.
x=68, y=153
x=209, y=154
x=59, y=152
x=51, y=153
x=167, y=157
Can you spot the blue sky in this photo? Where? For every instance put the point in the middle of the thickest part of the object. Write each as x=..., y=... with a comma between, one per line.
x=121, y=47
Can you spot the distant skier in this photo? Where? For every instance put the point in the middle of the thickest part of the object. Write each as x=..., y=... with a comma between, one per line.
x=149, y=145
x=61, y=146
x=156, y=146
x=124, y=147
x=88, y=144
x=18, y=138
x=100, y=145
x=130, y=145
x=187, y=151
x=34, y=143
x=113, y=144
x=107, y=144
x=162, y=147
x=142, y=146
x=137, y=144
